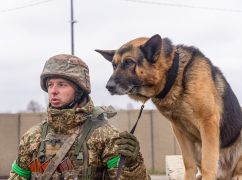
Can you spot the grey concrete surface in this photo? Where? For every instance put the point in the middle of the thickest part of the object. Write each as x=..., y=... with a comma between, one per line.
x=153, y=177
x=158, y=177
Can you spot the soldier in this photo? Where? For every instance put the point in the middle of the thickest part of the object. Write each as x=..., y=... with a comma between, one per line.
x=75, y=141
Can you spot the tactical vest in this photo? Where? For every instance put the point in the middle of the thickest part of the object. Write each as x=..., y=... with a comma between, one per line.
x=77, y=156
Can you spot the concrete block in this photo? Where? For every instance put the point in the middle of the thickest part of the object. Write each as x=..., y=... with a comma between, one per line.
x=174, y=167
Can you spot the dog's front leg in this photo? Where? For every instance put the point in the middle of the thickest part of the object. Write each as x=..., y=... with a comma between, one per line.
x=209, y=129
x=238, y=169
x=187, y=149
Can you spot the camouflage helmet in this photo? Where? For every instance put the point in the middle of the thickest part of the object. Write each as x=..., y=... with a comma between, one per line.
x=68, y=67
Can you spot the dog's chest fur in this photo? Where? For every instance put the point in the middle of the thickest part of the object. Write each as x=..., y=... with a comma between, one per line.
x=181, y=115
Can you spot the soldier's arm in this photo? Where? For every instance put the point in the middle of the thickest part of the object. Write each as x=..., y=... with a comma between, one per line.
x=110, y=155
x=128, y=146
x=27, y=148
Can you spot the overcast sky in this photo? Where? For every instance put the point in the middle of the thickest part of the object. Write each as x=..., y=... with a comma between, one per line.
x=31, y=31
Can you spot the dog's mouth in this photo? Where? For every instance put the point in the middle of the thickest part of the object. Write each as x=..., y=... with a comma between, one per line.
x=136, y=92
x=122, y=91
x=135, y=89
x=131, y=89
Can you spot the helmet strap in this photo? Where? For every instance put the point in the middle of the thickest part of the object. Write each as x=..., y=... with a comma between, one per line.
x=79, y=97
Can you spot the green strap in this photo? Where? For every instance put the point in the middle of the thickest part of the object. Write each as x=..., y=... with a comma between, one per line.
x=21, y=172
x=113, y=163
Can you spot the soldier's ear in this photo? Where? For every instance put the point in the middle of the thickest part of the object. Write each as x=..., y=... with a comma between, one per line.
x=107, y=54
x=152, y=48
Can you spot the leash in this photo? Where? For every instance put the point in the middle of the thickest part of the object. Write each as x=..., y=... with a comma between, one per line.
x=122, y=158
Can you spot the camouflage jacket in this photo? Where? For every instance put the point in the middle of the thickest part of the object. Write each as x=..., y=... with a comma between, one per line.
x=100, y=144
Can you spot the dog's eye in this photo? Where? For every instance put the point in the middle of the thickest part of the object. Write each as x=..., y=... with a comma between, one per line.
x=127, y=63
x=114, y=66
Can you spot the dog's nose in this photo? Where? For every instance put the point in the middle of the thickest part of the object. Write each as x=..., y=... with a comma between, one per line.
x=110, y=86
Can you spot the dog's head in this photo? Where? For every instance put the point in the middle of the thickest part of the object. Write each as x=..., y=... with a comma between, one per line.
x=139, y=67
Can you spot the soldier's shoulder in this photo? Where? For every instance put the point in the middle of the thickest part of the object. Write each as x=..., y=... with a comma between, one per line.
x=34, y=130
x=32, y=134
x=104, y=112
x=105, y=131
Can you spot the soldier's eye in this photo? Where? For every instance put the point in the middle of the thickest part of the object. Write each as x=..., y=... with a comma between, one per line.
x=49, y=85
x=128, y=63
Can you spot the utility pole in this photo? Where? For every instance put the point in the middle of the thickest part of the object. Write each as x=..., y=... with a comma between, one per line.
x=72, y=29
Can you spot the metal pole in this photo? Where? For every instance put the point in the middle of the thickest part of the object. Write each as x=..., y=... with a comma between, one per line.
x=152, y=141
x=72, y=29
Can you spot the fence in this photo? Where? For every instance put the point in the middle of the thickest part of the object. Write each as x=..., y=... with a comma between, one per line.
x=153, y=131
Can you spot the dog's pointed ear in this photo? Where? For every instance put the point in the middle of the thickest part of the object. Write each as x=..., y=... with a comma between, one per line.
x=107, y=54
x=152, y=48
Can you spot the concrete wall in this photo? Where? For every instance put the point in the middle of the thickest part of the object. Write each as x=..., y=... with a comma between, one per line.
x=153, y=131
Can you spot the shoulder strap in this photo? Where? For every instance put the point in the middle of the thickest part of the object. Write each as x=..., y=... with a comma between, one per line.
x=56, y=160
x=89, y=126
x=41, y=153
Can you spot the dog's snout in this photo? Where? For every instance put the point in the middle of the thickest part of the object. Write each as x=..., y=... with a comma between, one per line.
x=110, y=86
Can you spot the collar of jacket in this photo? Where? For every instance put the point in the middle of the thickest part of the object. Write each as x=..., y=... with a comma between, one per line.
x=65, y=121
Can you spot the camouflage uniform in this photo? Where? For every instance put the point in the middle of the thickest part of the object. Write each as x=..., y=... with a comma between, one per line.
x=100, y=145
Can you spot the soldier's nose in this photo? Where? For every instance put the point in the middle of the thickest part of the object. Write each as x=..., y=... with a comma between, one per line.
x=110, y=86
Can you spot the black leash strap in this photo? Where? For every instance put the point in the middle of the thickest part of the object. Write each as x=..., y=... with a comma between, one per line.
x=140, y=112
x=122, y=158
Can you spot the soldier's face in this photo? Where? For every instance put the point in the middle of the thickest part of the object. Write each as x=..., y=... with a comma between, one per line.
x=60, y=92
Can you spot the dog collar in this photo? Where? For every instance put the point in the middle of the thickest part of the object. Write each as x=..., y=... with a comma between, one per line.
x=171, y=77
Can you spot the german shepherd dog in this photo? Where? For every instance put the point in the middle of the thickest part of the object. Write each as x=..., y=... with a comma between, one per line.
x=192, y=93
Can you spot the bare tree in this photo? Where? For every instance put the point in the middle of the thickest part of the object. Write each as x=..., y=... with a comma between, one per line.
x=34, y=106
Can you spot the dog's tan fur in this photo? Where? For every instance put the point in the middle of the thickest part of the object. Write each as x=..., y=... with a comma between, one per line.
x=198, y=104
